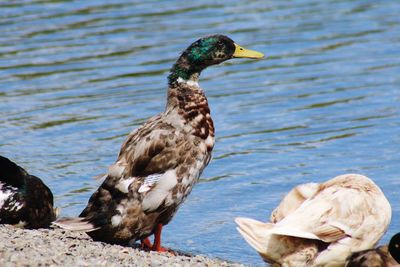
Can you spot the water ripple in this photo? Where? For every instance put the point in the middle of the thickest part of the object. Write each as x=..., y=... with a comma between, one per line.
x=77, y=76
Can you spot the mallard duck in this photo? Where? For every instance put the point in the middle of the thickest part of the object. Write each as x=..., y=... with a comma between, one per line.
x=321, y=224
x=383, y=256
x=25, y=200
x=160, y=162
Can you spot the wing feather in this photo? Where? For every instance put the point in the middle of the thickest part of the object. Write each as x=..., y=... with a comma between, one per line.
x=152, y=150
x=329, y=233
x=149, y=182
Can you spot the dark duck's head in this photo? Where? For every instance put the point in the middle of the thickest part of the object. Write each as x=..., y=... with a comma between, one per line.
x=24, y=198
x=207, y=51
x=394, y=247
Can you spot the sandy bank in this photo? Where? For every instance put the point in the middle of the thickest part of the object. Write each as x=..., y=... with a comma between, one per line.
x=56, y=247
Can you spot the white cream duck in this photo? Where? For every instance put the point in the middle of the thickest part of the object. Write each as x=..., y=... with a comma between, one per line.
x=321, y=224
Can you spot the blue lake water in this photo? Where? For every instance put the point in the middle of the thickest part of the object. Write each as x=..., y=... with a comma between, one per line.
x=77, y=76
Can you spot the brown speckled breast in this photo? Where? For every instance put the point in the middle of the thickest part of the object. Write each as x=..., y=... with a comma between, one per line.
x=192, y=106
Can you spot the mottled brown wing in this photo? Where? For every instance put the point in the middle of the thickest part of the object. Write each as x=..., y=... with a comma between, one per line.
x=154, y=148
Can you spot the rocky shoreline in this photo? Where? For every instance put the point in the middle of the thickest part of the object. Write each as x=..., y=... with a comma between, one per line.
x=57, y=247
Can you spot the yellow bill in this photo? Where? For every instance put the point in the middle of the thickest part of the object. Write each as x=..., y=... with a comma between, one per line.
x=246, y=53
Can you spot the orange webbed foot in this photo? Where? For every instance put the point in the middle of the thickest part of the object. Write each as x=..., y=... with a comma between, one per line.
x=146, y=244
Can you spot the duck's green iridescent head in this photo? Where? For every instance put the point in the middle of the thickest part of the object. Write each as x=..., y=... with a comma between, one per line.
x=205, y=52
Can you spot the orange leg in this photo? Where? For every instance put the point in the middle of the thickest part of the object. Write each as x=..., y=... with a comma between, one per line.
x=157, y=240
x=145, y=243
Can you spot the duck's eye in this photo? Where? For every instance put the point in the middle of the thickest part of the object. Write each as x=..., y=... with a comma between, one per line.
x=241, y=49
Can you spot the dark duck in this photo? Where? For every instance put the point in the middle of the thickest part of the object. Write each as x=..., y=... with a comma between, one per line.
x=383, y=256
x=160, y=162
x=25, y=200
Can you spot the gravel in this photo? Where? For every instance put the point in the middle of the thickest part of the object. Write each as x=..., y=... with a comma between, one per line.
x=57, y=247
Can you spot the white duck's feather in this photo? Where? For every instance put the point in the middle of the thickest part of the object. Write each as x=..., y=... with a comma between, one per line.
x=293, y=200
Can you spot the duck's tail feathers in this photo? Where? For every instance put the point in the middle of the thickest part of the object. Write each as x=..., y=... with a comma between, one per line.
x=75, y=224
x=100, y=177
x=56, y=212
x=259, y=234
x=256, y=233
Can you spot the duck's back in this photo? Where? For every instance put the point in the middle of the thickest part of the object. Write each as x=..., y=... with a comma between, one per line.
x=340, y=208
x=24, y=198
